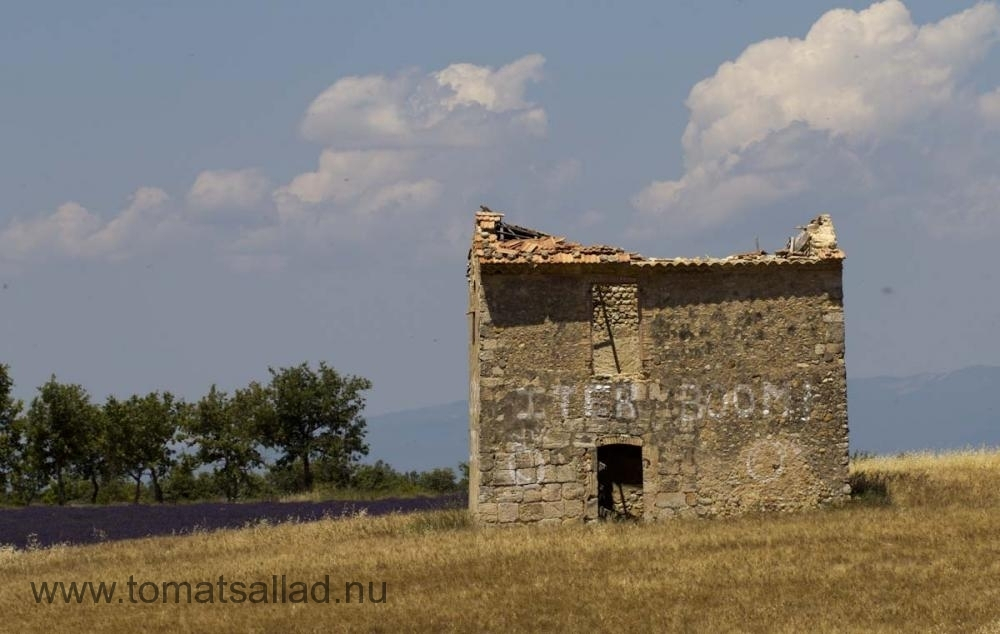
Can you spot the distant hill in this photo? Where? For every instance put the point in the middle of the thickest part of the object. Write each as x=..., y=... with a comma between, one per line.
x=886, y=414
x=421, y=439
x=926, y=411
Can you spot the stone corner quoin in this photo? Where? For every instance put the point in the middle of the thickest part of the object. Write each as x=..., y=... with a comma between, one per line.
x=604, y=384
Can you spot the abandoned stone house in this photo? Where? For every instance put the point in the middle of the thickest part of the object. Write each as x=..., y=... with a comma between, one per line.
x=605, y=384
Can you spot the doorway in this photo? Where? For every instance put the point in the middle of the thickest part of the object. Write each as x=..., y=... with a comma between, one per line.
x=619, y=482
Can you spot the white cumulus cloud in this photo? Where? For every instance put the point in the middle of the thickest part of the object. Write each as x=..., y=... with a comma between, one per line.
x=349, y=190
x=792, y=114
x=343, y=176
x=215, y=190
x=65, y=231
x=461, y=105
x=989, y=107
x=397, y=145
x=73, y=231
x=498, y=90
x=392, y=145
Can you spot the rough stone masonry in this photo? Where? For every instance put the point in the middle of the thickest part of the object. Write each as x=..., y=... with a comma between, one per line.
x=605, y=384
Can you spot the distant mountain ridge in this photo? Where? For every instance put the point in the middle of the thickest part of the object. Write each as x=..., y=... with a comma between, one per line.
x=421, y=439
x=887, y=415
x=928, y=411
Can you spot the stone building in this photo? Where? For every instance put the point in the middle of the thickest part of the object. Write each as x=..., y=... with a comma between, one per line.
x=607, y=384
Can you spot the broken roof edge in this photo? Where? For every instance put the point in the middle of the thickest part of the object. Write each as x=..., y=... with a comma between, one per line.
x=496, y=242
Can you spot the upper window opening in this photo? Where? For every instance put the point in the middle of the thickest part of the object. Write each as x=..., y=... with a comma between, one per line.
x=615, y=329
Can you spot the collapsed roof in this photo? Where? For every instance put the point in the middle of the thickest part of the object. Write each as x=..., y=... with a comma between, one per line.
x=496, y=242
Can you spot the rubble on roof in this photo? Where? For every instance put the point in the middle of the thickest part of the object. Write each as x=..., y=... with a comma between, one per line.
x=496, y=242
x=817, y=238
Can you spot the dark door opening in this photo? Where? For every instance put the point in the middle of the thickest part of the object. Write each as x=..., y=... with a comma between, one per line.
x=619, y=482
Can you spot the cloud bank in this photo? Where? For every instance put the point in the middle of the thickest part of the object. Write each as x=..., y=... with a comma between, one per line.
x=392, y=146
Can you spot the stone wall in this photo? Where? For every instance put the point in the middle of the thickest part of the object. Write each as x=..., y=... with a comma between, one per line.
x=730, y=378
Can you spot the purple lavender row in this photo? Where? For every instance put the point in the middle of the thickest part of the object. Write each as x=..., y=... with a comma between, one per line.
x=43, y=526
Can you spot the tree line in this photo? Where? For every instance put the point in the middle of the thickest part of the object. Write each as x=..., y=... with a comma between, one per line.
x=63, y=447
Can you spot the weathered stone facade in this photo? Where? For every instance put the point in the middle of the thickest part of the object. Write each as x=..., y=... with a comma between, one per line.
x=605, y=384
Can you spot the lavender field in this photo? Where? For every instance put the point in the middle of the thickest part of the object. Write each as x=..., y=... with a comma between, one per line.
x=40, y=526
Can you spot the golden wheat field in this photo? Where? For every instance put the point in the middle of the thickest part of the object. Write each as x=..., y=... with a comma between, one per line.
x=918, y=550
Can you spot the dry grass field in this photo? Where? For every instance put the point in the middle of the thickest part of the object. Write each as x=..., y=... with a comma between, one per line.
x=918, y=551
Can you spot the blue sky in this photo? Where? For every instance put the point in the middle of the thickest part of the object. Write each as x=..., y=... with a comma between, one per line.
x=192, y=192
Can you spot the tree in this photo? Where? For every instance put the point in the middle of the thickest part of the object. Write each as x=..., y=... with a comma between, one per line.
x=440, y=480
x=10, y=407
x=18, y=478
x=94, y=463
x=224, y=431
x=21, y=475
x=379, y=477
x=140, y=431
x=309, y=415
x=185, y=482
x=62, y=428
x=11, y=437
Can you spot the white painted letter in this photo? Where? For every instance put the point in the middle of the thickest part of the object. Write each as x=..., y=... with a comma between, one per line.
x=530, y=413
x=773, y=394
x=692, y=409
x=743, y=410
x=564, y=392
x=625, y=401
x=596, y=400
